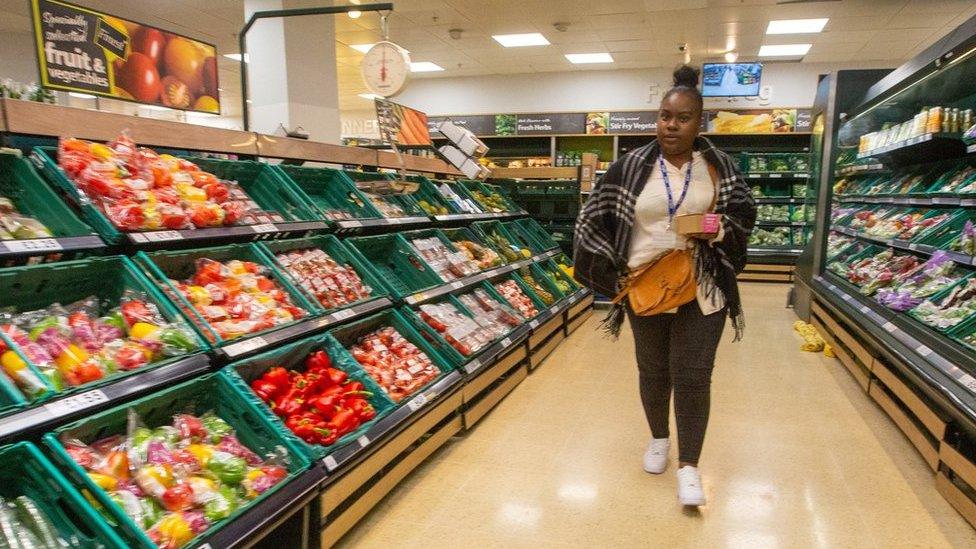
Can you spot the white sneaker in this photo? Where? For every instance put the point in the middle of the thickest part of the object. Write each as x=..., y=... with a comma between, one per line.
x=690, y=487
x=656, y=456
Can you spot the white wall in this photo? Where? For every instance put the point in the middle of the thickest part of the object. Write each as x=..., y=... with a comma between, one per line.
x=791, y=85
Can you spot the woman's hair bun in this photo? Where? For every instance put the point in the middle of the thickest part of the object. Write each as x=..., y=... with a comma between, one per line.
x=686, y=76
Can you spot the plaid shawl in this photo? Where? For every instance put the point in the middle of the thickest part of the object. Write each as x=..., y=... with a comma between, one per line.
x=605, y=226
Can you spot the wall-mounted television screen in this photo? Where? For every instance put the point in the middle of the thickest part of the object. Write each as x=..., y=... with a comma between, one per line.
x=731, y=79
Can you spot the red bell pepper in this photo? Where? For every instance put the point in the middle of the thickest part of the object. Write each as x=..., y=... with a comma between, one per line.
x=278, y=376
x=337, y=376
x=264, y=389
x=288, y=403
x=344, y=421
x=319, y=360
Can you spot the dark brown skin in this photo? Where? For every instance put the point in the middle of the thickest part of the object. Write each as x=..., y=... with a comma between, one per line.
x=678, y=123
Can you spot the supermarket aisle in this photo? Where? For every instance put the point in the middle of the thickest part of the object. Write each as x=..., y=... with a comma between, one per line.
x=795, y=457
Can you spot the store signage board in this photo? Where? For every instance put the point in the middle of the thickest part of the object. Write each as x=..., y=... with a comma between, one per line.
x=482, y=124
x=639, y=122
x=87, y=51
x=402, y=125
x=548, y=124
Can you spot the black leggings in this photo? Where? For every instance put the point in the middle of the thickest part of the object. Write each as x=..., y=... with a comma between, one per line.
x=677, y=350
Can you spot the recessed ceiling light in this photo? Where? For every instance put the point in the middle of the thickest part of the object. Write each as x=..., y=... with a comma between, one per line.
x=237, y=57
x=581, y=58
x=369, y=96
x=521, y=40
x=731, y=56
x=81, y=95
x=784, y=50
x=796, y=26
x=362, y=47
x=425, y=66
x=354, y=14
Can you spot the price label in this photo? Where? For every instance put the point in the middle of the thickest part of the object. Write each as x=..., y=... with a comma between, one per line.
x=330, y=463
x=913, y=247
x=846, y=297
x=472, y=366
x=205, y=546
x=351, y=223
x=417, y=402
x=801, y=175
x=343, y=314
x=923, y=350
x=33, y=245
x=967, y=202
x=554, y=309
x=534, y=324
x=77, y=402
x=754, y=176
x=506, y=342
x=865, y=309
x=775, y=175
x=968, y=382
x=264, y=228
x=456, y=285
x=163, y=236
x=245, y=346
x=363, y=441
x=416, y=298
x=889, y=327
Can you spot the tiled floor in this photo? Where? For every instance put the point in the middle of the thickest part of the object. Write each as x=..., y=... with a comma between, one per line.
x=796, y=456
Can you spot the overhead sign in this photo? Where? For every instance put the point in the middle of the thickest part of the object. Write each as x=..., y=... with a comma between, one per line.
x=86, y=51
x=402, y=125
x=632, y=122
x=548, y=124
x=478, y=124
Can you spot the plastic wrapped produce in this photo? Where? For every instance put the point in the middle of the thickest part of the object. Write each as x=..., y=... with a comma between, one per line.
x=397, y=365
x=909, y=289
x=836, y=242
x=966, y=241
x=238, y=297
x=772, y=212
x=536, y=286
x=449, y=265
x=87, y=341
x=881, y=270
x=959, y=305
x=484, y=257
x=333, y=284
x=175, y=481
x=17, y=226
x=775, y=237
x=515, y=297
x=24, y=524
x=489, y=312
x=140, y=190
x=466, y=335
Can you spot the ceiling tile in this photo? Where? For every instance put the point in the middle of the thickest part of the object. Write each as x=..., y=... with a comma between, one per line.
x=911, y=20
x=625, y=34
x=629, y=45
x=828, y=57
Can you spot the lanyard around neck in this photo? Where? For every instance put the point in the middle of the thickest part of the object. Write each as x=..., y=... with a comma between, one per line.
x=672, y=206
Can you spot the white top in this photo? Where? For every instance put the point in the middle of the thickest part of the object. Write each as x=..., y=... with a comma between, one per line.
x=650, y=234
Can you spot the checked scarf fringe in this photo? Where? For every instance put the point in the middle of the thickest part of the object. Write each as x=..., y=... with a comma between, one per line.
x=605, y=226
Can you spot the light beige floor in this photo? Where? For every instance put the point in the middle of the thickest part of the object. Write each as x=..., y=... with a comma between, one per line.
x=796, y=456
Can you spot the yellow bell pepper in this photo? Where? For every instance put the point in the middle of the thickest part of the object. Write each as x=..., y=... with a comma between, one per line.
x=104, y=482
x=100, y=151
x=199, y=295
x=174, y=530
x=72, y=356
x=190, y=193
x=202, y=452
x=143, y=330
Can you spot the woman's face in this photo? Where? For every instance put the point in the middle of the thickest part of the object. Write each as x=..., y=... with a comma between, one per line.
x=677, y=123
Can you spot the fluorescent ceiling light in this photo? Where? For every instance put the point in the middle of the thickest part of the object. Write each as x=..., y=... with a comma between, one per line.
x=796, y=26
x=521, y=40
x=370, y=96
x=425, y=66
x=731, y=56
x=81, y=95
x=363, y=48
x=784, y=50
x=581, y=58
x=237, y=57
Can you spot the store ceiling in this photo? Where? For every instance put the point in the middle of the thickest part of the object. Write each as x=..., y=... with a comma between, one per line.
x=637, y=33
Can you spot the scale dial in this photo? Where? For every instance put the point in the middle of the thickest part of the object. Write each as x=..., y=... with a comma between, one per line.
x=385, y=68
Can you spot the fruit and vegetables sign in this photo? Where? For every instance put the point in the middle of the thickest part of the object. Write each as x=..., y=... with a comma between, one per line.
x=85, y=51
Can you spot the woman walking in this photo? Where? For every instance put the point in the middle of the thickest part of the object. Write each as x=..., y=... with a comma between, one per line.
x=627, y=227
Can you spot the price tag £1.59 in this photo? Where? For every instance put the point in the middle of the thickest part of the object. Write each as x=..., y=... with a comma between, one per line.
x=77, y=402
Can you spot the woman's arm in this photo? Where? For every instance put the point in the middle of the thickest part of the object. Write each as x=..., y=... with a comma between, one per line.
x=594, y=266
x=738, y=220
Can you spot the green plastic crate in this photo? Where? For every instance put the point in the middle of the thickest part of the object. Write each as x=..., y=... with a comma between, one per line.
x=937, y=298
x=458, y=234
x=207, y=393
x=26, y=472
x=536, y=271
x=410, y=236
x=33, y=197
x=337, y=250
x=328, y=189
x=550, y=267
x=539, y=305
x=963, y=331
x=46, y=160
x=487, y=228
x=473, y=187
x=943, y=235
x=536, y=232
x=292, y=356
x=429, y=193
x=164, y=266
x=464, y=194
x=395, y=262
x=29, y=288
x=405, y=202
x=264, y=185
x=347, y=335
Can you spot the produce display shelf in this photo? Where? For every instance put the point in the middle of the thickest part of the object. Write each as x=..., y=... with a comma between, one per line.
x=263, y=342
x=345, y=226
x=780, y=200
x=34, y=246
x=757, y=255
x=861, y=169
x=438, y=291
x=776, y=175
x=464, y=217
x=489, y=355
x=965, y=259
x=265, y=515
x=191, y=238
x=61, y=410
x=387, y=426
x=930, y=146
x=766, y=223
x=945, y=367
x=964, y=201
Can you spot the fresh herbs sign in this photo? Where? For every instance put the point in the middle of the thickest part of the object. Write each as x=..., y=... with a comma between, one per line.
x=82, y=50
